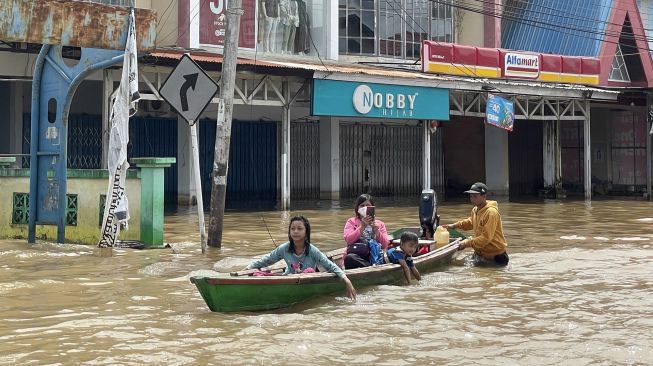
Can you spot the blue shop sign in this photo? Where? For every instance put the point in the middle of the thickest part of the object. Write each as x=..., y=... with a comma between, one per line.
x=353, y=99
x=499, y=112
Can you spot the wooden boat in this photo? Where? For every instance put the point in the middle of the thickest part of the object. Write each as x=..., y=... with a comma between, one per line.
x=239, y=291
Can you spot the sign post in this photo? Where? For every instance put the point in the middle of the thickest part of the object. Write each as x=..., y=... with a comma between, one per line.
x=198, y=182
x=189, y=90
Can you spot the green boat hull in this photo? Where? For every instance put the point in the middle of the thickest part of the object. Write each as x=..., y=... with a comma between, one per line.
x=247, y=293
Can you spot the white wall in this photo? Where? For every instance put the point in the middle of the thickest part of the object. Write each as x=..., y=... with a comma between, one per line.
x=166, y=20
x=468, y=25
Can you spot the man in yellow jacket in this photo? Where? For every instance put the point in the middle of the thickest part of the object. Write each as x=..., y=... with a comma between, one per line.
x=488, y=241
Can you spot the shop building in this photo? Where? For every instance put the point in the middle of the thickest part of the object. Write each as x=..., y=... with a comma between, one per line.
x=616, y=143
x=283, y=149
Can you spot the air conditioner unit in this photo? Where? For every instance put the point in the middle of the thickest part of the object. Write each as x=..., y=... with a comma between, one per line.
x=156, y=106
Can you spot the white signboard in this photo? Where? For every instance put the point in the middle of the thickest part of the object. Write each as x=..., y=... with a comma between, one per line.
x=521, y=65
x=188, y=89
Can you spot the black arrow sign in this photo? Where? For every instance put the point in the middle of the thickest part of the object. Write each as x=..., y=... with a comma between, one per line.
x=191, y=80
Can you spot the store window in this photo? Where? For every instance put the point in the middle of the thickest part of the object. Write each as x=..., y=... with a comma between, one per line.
x=276, y=27
x=392, y=28
x=356, y=28
x=619, y=70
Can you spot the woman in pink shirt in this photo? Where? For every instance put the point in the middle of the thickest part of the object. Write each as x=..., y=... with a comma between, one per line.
x=359, y=230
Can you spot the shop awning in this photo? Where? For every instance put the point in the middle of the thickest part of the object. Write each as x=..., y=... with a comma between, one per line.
x=384, y=74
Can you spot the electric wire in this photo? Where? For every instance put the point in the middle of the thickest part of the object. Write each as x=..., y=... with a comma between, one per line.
x=557, y=13
x=586, y=20
x=163, y=22
x=513, y=16
x=555, y=27
x=196, y=9
x=582, y=5
x=466, y=70
x=641, y=50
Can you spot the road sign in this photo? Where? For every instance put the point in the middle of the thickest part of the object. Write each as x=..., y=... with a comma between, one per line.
x=188, y=89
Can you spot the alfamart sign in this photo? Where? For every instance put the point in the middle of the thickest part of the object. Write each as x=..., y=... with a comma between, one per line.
x=351, y=99
x=497, y=63
x=521, y=65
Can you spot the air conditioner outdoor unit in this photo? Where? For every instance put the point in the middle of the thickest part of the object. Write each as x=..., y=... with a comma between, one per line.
x=159, y=106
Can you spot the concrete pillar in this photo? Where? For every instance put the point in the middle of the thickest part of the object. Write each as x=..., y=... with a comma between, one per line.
x=558, y=157
x=492, y=23
x=193, y=24
x=152, y=198
x=329, y=158
x=186, y=193
x=549, y=152
x=587, y=152
x=331, y=22
x=285, y=150
x=497, y=175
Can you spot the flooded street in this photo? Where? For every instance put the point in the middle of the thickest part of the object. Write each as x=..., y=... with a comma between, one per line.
x=577, y=291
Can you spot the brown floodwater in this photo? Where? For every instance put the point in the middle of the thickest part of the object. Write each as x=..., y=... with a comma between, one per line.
x=578, y=291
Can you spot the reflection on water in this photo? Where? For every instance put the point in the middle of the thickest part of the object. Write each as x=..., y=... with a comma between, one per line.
x=577, y=291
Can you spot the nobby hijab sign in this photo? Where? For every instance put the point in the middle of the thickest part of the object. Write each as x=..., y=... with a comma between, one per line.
x=352, y=99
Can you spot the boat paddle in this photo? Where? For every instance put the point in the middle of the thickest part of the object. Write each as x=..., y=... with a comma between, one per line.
x=269, y=234
x=252, y=270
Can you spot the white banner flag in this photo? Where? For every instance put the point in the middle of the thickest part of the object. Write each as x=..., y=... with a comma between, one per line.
x=116, y=208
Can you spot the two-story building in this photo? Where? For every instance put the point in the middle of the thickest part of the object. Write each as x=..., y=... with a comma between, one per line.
x=336, y=98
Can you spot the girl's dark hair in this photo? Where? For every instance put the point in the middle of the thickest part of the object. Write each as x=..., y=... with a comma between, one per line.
x=307, y=225
x=362, y=198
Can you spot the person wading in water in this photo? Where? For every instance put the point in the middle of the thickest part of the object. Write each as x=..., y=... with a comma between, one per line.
x=488, y=241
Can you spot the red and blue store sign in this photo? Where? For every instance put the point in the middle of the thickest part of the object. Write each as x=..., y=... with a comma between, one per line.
x=455, y=59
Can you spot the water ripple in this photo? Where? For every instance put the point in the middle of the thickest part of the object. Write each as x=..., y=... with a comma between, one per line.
x=574, y=293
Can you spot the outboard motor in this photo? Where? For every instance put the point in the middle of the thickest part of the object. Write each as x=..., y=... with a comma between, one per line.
x=428, y=213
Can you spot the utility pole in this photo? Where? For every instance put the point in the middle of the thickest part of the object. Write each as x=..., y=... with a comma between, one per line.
x=223, y=130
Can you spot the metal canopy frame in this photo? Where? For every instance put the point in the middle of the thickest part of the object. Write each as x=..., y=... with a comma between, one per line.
x=472, y=104
x=250, y=89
